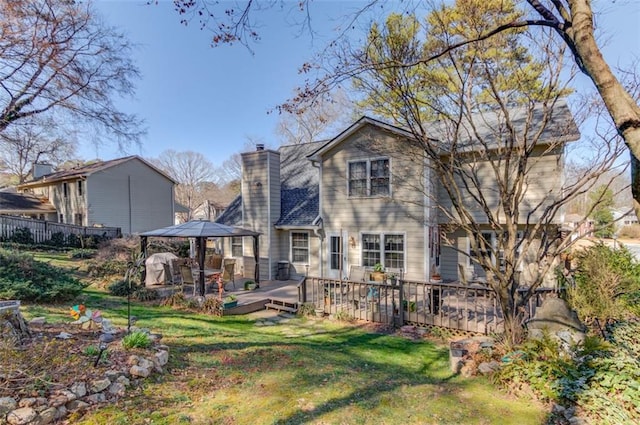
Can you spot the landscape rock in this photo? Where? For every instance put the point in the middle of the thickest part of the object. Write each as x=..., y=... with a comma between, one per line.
x=36, y=321
x=487, y=368
x=124, y=381
x=117, y=389
x=106, y=338
x=100, y=385
x=64, y=335
x=27, y=402
x=22, y=416
x=133, y=360
x=79, y=389
x=139, y=371
x=76, y=405
x=47, y=416
x=162, y=357
x=96, y=398
x=7, y=404
x=555, y=317
x=145, y=363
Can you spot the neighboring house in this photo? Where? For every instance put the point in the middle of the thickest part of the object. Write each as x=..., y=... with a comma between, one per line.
x=208, y=210
x=324, y=207
x=26, y=205
x=624, y=217
x=579, y=225
x=128, y=192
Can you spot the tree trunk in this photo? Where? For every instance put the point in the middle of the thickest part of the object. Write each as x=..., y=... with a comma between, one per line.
x=13, y=327
x=623, y=109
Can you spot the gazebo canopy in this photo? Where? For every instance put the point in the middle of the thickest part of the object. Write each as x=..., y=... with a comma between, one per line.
x=201, y=230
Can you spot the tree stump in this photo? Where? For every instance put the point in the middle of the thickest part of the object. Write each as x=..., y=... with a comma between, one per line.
x=13, y=327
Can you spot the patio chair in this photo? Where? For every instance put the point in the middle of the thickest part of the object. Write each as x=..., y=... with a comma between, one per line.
x=168, y=277
x=228, y=273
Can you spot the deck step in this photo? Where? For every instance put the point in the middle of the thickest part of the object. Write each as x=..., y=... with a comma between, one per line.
x=281, y=306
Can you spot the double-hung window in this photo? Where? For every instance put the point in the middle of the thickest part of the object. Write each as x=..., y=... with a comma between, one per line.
x=387, y=249
x=300, y=247
x=369, y=177
x=65, y=189
x=236, y=246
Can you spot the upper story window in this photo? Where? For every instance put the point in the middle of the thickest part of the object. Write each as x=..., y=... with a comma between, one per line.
x=370, y=177
x=80, y=188
x=65, y=189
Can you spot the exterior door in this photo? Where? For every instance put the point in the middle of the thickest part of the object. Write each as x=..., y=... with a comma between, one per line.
x=336, y=256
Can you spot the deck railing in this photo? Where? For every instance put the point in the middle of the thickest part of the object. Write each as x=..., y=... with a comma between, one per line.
x=449, y=305
x=42, y=230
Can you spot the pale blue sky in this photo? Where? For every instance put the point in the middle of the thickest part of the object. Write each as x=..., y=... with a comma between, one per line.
x=208, y=100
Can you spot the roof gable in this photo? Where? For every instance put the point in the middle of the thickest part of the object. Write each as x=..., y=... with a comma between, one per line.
x=88, y=170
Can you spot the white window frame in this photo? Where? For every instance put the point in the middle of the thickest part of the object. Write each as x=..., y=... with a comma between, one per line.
x=240, y=245
x=494, y=242
x=368, y=177
x=382, y=251
x=291, y=247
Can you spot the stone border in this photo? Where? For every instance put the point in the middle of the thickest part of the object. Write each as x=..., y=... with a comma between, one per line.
x=81, y=395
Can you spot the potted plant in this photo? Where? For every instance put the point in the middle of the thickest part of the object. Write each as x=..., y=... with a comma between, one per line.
x=230, y=302
x=249, y=285
x=378, y=273
x=393, y=279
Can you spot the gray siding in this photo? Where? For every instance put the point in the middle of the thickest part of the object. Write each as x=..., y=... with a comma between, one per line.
x=543, y=186
x=132, y=196
x=401, y=213
x=261, y=204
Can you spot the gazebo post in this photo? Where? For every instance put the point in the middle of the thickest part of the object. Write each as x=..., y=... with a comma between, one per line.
x=201, y=246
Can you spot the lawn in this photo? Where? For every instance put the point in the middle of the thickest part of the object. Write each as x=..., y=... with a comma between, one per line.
x=270, y=369
x=289, y=370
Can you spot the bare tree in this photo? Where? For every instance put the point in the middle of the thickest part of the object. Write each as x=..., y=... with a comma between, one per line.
x=489, y=122
x=58, y=57
x=571, y=20
x=23, y=145
x=192, y=171
x=324, y=119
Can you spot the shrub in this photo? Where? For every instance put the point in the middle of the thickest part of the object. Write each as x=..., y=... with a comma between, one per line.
x=57, y=239
x=24, y=278
x=98, y=268
x=306, y=309
x=601, y=377
x=177, y=299
x=606, y=283
x=144, y=294
x=631, y=231
x=212, y=305
x=82, y=253
x=136, y=339
x=120, y=288
x=22, y=235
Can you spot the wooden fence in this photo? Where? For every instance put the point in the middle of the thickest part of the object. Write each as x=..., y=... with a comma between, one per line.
x=42, y=231
x=448, y=305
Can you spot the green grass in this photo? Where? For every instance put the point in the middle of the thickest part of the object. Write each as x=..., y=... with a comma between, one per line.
x=232, y=370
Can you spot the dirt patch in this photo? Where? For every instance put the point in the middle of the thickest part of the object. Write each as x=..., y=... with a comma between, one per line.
x=44, y=362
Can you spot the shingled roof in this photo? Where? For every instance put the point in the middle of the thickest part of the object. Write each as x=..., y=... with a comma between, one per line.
x=87, y=170
x=23, y=203
x=299, y=195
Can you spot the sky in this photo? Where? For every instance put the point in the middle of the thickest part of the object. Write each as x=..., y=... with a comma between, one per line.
x=213, y=100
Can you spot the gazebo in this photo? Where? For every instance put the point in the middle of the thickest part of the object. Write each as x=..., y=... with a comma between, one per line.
x=201, y=230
